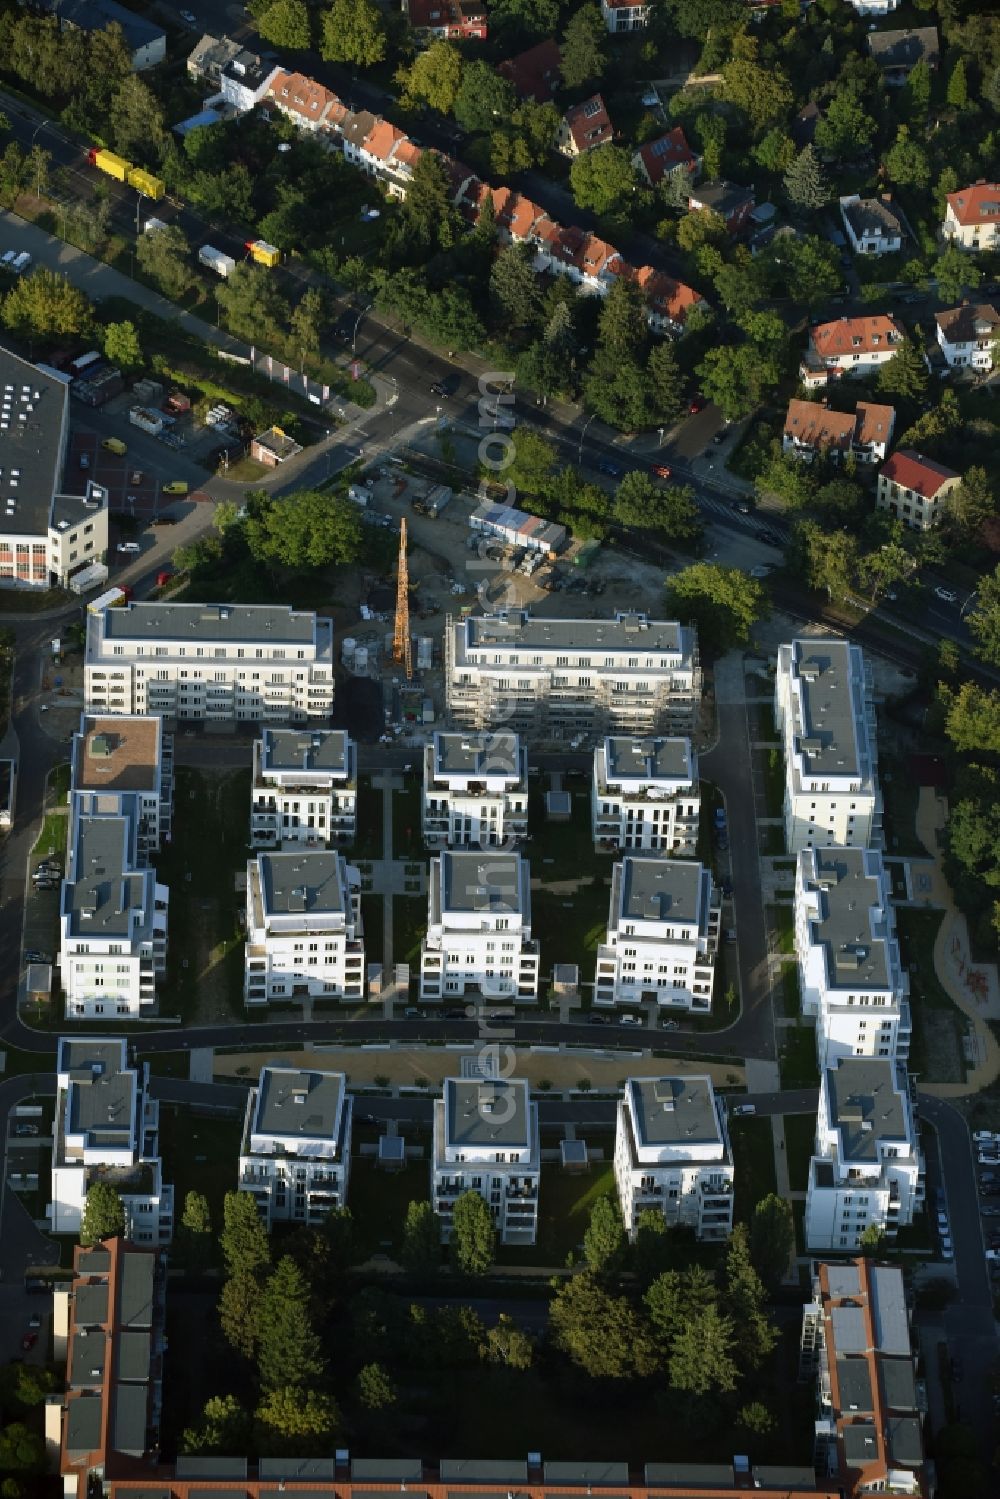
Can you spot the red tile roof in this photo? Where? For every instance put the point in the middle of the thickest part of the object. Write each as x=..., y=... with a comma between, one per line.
x=589, y=124
x=380, y=141
x=875, y=423
x=979, y=204
x=855, y=335
x=817, y=426
x=300, y=95
x=535, y=73
x=913, y=471
x=667, y=297
x=659, y=157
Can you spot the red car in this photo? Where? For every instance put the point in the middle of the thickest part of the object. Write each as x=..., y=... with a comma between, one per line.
x=29, y=1340
x=697, y=404
x=661, y=470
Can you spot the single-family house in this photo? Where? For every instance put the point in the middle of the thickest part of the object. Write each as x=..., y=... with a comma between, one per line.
x=972, y=217
x=211, y=55
x=966, y=335
x=625, y=15
x=536, y=73
x=811, y=428
x=454, y=20
x=898, y=52
x=914, y=489
x=849, y=346
x=302, y=100
x=873, y=225
x=732, y=202
x=146, y=42
x=583, y=127
x=669, y=153
x=245, y=80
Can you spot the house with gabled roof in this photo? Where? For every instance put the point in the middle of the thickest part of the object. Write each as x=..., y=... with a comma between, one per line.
x=669, y=153
x=454, y=20
x=625, y=15
x=914, y=489
x=732, y=202
x=967, y=334
x=536, y=73
x=668, y=301
x=584, y=126
x=812, y=428
x=849, y=346
x=972, y=216
x=302, y=100
x=898, y=52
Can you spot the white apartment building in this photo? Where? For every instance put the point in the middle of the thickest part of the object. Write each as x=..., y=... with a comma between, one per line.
x=295, y=1156
x=625, y=17
x=672, y=1154
x=486, y=1140
x=826, y=719
x=475, y=790
x=45, y=534
x=972, y=217
x=112, y=921
x=478, y=937
x=305, y=788
x=663, y=935
x=645, y=795
x=966, y=335
x=874, y=7
x=915, y=489
x=850, y=975
x=245, y=79
x=125, y=762
x=851, y=347
x=572, y=678
x=867, y=1169
x=304, y=932
x=106, y=1129
x=210, y=662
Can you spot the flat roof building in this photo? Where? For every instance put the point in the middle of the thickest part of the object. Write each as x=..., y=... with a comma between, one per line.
x=304, y=931
x=478, y=939
x=121, y=761
x=486, y=1140
x=645, y=795
x=672, y=1155
x=295, y=1156
x=475, y=792
x=662, y=936
x=305, y=788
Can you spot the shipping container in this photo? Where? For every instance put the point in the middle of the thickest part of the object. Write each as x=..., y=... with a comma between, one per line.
x=107, y=161
x=86, y=363
x=148, y=421
x=262, y=252
x=222, y=265
x=145, y=184
x=115, y=598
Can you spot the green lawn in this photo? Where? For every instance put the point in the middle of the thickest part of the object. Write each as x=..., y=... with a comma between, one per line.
x=59, y=784
x=52, y=838
x=772, y=766
x=800, y=1133
x=379, y=1199
x=781, y=919
x=917, y=934
x=753, y=1158
x=409, y=924
x=570, y=927
x=368, y=844
x=797, y=1057
x=563, y=850
x=564, y=1203
x=406, y=837
x=788, y=985
x=199, y=1155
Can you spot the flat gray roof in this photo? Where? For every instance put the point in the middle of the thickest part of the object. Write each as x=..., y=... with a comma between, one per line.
x=83, y=1424
x=854, y=958
x=79, y=1052
x=889, y=1316
x=843, y=1280
x=129, y=1418
x=100, y=899
x=674, y=1110
x=32, y=413
x=489, y=1113
x=400, y=1469
x=480, y=881
x=899, y=1385
x=87, y=1359
x=850, y=1329
x=298, y=1469
x=103, y=1105
x=91, y=1305
x=647, y=759
x=134, y=1353
x=696, y=1475
x=296, y=1101
x=198, y=1466
x=661, y=890
x=864, y=1106
x=482, y=1470
x=855, y=1384
x=904, y=1440
x=828, y=736
x=296, y=883
x=477, y=754
x=583, y=1473
x=304, y=749
x=95, y=1261
x=624, y=632
x=259, y=624
x=860, y=1441
x=135, y=1301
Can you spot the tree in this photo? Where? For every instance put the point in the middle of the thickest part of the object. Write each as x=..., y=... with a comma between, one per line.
x=473, y=1237
x=421, y=1247
x=807, y=267
x=224, y=1428
x=582, y=51
x=286, y=24
x=602, y=1334
x=485, y=99
x=666, y=381
x=136, y=120
x=122, y=347
x=306, y=322
x=506, y=1344
x=971, y=503
x=756, y=1419
x=955, y=273
x=844, y=130
x=617, y=389
x=243, y=1239
x=888, y=564
x=762, y=93
x=775, y=152
x=695, y=18
x=737, y=378
x=103, y=1214
x=194, y=1237
x=353, y=31
x=534, y=462
x=711, y=132
x=667, y=1305
x=296, y=1421
x=772, y=1239
x=745, y=1302
x=701, y=226
x=304, y=530
x=514, y=286
x=918, y=93
x=45, y=303
x=872, y=1239
x=984, y=620
x=21, y=1449
x=434, y=77
x=651, y=1251
x=603, y=179
x=957, y=93
x=701, y=1354
x=376, y=1390
x=289, y=1354
x=430, y=217
x=671, y=513
x=239, y=1309
x=621, y=326
x=604, y=1242
x=828, y=559
x=973, y=719
x=164, y=256
x=906, y=161
x=723, y=602
x=253, y=303
x=905, y=374
x=806, y=183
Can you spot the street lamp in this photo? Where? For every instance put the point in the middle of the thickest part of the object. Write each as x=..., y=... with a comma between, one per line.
x=965, y=607
x=357, y=325
x=659, y=432
x=579, y=451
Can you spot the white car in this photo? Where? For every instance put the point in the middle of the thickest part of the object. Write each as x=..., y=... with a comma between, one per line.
x=128, y=548
x=744, y=1108
x=946, y=595
x=985, y=1137
x=947, y=1251
x=630, y=1020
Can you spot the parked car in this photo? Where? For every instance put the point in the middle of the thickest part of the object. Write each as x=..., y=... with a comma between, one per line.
x=135, y=477
x=25, y=1131
x=84, y=460
x=455, y=1014
x=607, y=467
x=35, y=1321
x=671, y=1025
x=697, y=403
x=984, y=1137
x=176, y=486
x=29, y=1340
x=743, y=1109
x=446, y=386
x=34, y=956
x=726, y=886
x=947, y=1249
x=731, y=934
x=597, y=1020
x=661, y=470
x=946, y=595
x=719, y=817
x=743, y=506
x=46, y=884
x=631, y=1020
x=128, y=548
x=722, y=842
x=412, y=1013
x=988, y=1212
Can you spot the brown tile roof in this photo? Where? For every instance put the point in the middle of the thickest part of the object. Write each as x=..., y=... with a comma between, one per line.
x=381, y=140
x=535, y=73
x=855, y=335
x=875, y=423
x=962, y=325
x=659, y=157
x=816, y=426
x=589, y=124
x=301, y=95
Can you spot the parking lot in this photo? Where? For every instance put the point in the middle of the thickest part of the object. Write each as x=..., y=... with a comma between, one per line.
x=987, y=1147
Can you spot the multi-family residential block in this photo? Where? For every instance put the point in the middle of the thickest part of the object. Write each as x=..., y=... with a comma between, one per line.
x=874, y=7
x=672, y=1155
x=972, y=216
x=305, y=787
x=645, y=795
x=826, y=718
x=478, y=939
x=849, y=346
x=873, y=225
x=851, y=978
x=211, y=662
x=584, y=126
x=112, y=920
x=486, y=1140
x=812, y=428
x=867, y=1169
x=145, y=42
x=125, y=761
x=662, y=937
x=915, y=489
x=46, y=534
x=561, y=678
x=625, y=17
x=295, y=1155
x=966, y=335
x=475, y=790
x=304, y=931
x=106, y=1129
x=856, y=1342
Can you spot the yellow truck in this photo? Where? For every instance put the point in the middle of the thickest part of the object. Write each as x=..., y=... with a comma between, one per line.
x=262, y=252
x=107, y=161
x=145, y=183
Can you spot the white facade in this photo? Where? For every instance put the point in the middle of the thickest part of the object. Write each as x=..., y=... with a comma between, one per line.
x=850, y=974
x=874, y=7
x=122, y=765
x=972, y=217
x=867, y=1169
x=826, y=719
x=966, y=336
x=112, y=921
x=645, y=795
x=106, y=1128
x=305, y=788
x=872, y=226
x=486, y=1140
x=295, y=1157
x=304, y=932
x=663, y=934
x=475, y=790
x=245, y=79
x=620, y=18
x=210, y=662
x=672, y=1155
x=563, y=678
x=478, y=937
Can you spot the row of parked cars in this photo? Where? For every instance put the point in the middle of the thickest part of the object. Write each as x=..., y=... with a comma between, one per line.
x=987, y=1156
